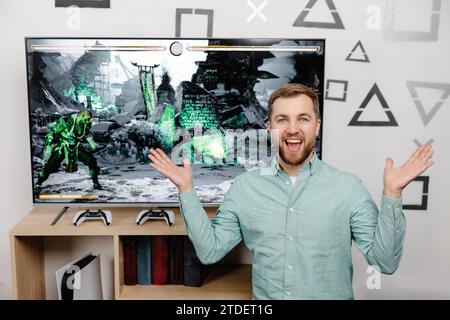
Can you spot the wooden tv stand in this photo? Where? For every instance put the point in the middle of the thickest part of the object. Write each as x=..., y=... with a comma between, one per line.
x=27, y=255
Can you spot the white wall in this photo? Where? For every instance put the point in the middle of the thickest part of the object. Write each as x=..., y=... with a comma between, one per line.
x=361, y=150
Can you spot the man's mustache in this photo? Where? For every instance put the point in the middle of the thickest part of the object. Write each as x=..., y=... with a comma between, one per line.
x=293, y=137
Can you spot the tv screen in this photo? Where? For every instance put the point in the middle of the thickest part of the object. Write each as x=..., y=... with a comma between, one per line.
x=97, y=105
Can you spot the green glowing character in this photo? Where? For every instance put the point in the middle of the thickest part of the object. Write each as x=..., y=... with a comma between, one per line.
x=63, y=144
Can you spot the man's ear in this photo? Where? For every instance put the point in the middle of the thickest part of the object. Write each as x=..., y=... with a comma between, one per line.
x=318, y=124
x=268, y=125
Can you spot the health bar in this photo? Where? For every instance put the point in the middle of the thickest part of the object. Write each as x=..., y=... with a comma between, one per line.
x=66, y=196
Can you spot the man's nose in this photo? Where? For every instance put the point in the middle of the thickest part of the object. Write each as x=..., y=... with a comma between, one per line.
x=293, y=127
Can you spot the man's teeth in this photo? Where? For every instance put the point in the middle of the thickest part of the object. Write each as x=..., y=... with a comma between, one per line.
x=293, y=141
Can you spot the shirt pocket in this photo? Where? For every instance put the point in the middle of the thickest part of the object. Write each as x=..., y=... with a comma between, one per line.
x=318, y=228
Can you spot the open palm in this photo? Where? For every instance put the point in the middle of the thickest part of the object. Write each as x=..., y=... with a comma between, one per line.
x=396, y=179
x=180, y=176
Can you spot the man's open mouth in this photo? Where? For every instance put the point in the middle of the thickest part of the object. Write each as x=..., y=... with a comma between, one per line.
x=293, y=145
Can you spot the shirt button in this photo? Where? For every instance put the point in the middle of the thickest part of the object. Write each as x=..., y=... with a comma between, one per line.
x=287, y=182
x=290, y=237
x=288, y=293
x=389, y=207
x=290, y=266
x=291, y=209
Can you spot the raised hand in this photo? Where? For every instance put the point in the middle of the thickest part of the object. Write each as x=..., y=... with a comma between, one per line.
x=396, y=179
x=180, y=176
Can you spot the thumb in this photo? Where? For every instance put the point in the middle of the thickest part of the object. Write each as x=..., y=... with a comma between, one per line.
x=186, y=163
x=389, y=163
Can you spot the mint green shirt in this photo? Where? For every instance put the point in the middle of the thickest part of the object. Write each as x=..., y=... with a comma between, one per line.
x=300, y=235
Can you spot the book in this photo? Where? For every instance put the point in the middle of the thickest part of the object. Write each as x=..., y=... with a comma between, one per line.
x=143, y=257
x=195, y=272
x=176, y=260
x=160, y=260
x=129, y=261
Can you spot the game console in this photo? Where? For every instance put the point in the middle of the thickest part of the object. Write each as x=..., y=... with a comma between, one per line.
x=153, y=214
x=84, y=215
x=80, y=279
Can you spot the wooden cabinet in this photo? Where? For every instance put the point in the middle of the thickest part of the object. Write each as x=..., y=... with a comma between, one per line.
x=27, y=256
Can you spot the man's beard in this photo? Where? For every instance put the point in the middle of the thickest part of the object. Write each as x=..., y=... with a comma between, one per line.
x=296, y=159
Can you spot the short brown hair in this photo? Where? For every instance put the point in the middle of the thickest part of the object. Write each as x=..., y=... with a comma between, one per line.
x=292, y=90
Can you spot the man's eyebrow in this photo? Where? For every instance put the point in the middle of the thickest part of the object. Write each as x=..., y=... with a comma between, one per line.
x=300, y=115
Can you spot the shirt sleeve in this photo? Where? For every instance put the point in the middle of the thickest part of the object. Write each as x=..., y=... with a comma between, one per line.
x=379, y=235
x=213, y=239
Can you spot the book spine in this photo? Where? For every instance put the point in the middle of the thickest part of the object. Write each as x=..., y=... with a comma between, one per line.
x=130, y=269
x=176, y=260
x=160, y=260
x=143, y=256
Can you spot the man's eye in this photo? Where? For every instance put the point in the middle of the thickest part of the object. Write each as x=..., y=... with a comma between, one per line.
x=281, y=120
x=304, y=119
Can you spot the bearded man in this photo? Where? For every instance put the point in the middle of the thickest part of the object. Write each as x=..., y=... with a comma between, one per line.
x=299, y=216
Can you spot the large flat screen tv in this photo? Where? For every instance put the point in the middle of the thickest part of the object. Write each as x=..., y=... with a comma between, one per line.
x=96, y=106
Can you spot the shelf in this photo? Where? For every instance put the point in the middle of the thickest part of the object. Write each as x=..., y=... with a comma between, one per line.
x=37, y=223
x=225, y=282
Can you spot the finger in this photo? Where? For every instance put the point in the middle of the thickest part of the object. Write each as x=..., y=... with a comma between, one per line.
x=424, y=157
x=157, y=161
x=164, y=155
x=416, y=154
x=424, y=151
x=154, y=158
x=186, y=163
x=425, y=167
x=428, y=154
x=154, y=152
x=157, y=155
x=427, y=147
x=419, y=154
x=389, y=163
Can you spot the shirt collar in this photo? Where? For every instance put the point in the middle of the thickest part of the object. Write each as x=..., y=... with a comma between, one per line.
x=311, y=166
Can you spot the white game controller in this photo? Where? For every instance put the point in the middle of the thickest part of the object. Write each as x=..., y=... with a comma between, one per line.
x=84, y=215
x=153, y=214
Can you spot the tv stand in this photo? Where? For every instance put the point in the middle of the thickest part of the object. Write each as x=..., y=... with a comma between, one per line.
x=28, y=250
x=60, y=214
x=87, y=214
